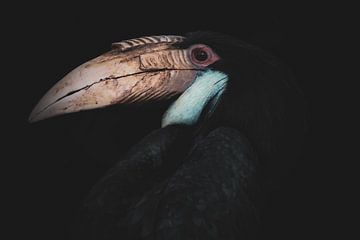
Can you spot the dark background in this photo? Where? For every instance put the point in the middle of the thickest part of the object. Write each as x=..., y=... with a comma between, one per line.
x=57, y=161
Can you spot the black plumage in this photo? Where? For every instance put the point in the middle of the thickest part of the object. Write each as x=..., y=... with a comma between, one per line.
x=167, y=188
x=206, y=181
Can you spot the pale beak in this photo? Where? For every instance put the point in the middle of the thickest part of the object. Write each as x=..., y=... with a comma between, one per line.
x=134, y=71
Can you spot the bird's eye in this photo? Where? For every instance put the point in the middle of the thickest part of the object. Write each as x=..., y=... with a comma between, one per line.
x=202, y=55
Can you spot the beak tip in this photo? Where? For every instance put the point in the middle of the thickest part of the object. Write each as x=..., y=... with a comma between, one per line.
x=32, y=118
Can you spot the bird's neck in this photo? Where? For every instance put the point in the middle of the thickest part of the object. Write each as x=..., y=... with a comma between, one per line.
x=203, y=95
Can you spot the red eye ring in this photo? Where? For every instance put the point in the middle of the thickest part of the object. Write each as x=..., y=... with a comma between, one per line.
x=202, y=55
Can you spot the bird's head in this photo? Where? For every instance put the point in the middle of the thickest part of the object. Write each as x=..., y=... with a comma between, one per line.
x=198, y=71
x=141, y=70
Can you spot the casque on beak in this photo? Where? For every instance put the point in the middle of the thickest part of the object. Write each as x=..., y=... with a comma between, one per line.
x=134, y=71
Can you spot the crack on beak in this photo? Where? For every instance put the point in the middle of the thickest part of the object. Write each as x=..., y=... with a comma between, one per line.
x=106, y=79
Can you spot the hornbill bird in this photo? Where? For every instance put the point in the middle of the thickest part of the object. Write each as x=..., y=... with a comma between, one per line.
x=233, y=129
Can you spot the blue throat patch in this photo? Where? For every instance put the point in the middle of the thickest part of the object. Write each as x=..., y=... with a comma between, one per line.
x=207, y=88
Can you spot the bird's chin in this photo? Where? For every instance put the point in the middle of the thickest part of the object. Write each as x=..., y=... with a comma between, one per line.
x=199, y=101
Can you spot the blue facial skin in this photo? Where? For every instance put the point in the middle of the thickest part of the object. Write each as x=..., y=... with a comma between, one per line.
x=206, y=89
